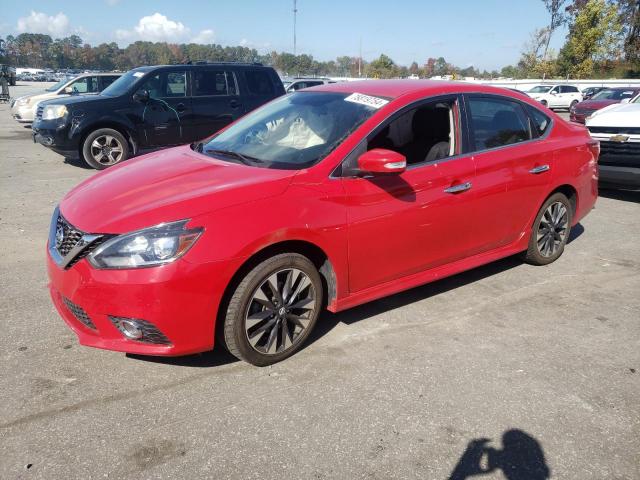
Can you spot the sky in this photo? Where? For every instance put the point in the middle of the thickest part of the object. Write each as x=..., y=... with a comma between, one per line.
x=487, y=34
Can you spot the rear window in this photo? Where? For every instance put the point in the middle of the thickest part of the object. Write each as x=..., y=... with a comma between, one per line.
x=259, y=82
x=496, y=122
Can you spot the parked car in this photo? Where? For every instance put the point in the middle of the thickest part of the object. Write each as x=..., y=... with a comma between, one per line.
x=150, y=107
x=617, y=127
x=10, y=72
x=24, y=109
x=325, y=198
x=589, y=92
x=300, y=83
x=556, y=96
x=604, y=98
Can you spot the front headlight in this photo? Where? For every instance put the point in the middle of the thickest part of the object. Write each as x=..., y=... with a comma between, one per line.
x=51, y=112
x=21, y=102
x=150, y=247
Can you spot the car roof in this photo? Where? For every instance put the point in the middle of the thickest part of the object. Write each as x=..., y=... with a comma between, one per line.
x=637, y=87
x=397, y=88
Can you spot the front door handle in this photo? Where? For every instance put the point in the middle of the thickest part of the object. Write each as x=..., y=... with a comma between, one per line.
x=540, y=169
x=234, y=104
x=180, y=107
x=461, y=187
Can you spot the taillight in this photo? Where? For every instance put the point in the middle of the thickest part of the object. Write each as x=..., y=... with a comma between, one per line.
x=594, y=146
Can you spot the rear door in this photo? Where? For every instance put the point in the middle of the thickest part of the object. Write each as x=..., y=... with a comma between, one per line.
x=257, y=88
x=165, y=118
x=513, y=168
x=215, y=101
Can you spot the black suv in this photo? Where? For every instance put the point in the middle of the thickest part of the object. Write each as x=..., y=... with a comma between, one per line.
x=150, y=107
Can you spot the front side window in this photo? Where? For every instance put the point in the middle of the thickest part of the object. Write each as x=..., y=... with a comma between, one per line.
x=540, y=89
x=422, y=134
x=166, y=85
x=292, y=132
x=108, y=80
x=85, y=85
x=259, y=82
x=213, y=82
x=496, y=122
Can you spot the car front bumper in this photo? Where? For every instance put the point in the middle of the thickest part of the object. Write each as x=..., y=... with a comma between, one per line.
x=22, y=114
x=179, y=299
x=55, y=134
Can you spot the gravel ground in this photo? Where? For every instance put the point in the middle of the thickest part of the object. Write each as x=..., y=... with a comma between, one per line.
x=521, y=372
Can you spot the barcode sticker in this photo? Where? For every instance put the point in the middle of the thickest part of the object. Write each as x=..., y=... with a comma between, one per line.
x=367, y=100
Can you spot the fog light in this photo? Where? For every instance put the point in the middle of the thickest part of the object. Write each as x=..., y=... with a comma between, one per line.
x=130, y=329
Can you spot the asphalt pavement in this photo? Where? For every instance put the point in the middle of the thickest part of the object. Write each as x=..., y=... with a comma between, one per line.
x=509, y=370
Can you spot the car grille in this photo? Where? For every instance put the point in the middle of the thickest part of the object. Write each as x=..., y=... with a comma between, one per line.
x=71, y=238
x=583, y=111
x=615, y=130
x=150, y=333
x=620, y=153
x=39, y=112
x=79, y=313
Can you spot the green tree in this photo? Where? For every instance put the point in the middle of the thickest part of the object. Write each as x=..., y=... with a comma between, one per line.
x=595, y=33
x=556, y=18
x=630, y=20
x=382, y=67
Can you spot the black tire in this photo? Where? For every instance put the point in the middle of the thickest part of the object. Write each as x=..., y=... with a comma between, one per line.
x=243, y=301
x=541, y=251
x=109, y=140
x=544, y=103
x=573, y=104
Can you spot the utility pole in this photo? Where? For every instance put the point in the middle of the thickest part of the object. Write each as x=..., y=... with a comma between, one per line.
x=360, y=59
x=295, y=12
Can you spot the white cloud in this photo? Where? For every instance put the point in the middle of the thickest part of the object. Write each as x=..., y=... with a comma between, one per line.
x=205, y=37
x=38, y=22
x=155, y=28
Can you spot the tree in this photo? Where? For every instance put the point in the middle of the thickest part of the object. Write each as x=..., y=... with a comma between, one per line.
x=630, y=20
x=382, y=67
x=441, y=67
x=595, y=33
x=557, y=18
x=531, y=54
x=414, y=69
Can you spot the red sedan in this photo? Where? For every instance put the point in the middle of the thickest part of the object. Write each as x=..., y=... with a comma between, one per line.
x=325, y=198
x=609, y=96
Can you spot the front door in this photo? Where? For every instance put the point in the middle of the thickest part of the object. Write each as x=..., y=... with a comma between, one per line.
x=165, y=118
x=406, y=223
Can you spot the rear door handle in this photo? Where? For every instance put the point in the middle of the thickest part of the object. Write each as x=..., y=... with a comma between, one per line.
x=540, y=169
x=234, y=104
x=461, y=187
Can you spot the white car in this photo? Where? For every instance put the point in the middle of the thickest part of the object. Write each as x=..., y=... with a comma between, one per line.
x=23, y=109
x=556, y=96
x=617, y=127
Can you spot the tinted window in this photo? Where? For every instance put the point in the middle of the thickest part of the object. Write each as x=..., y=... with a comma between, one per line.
x=166, y=85
x=259, y=82
x=108, y=80
x=211, y=82
x=539, y=120
x=497, y=122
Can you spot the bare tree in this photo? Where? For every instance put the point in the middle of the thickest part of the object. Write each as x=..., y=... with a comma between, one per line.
x=555, y=9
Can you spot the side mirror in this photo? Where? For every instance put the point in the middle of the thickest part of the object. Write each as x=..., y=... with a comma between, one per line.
x=553, y=92
x=141, y=96
x=68, y=90
x=380, y=160
x=625, y=100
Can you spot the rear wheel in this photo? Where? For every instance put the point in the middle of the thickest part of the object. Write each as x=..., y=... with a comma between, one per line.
x=551, y=230
x=105, y=147
x=273, y=309
x=573, y=104
x=544, y=103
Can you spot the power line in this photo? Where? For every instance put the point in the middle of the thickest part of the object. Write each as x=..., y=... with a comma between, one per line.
x=295, y=12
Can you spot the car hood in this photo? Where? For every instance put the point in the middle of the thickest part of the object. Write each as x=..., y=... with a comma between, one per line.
x=617, y=115
x=78, y=98
x=595, y=104
x=166, y=186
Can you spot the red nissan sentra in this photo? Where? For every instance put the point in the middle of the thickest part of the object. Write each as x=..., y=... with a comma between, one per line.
x=325, y=198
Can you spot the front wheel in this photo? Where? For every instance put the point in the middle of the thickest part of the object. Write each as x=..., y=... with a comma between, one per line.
x=105, y=147
x=573, y=104
x=273, y=309
x=544, y=103
x=551, y=230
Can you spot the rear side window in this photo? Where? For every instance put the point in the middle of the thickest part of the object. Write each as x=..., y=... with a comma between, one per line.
x=259, y=82
x=568, y=89
x=497, y=122
x=540, y=122
x=213, y=82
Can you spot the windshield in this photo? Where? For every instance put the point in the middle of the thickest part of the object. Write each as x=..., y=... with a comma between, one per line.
x=613, y=95
x=292, y=132
x=123, y=84
x=540, y=89
x=62, y=82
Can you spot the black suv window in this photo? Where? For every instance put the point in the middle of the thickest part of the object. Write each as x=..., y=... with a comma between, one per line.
x=259, y=82
x=107, y=80
x=497, y=122
x=166, y=85
x=213, y=82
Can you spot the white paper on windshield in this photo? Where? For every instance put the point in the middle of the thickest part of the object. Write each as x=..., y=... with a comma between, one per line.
x=628, y=93
x=138, y=74
x=367, y=100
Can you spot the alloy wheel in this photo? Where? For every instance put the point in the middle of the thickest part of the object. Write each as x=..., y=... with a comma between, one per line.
x=552, y=229
x=280, y=311
x=106, y=150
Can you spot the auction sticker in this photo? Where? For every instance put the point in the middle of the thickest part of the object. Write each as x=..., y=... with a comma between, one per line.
x=367, y=100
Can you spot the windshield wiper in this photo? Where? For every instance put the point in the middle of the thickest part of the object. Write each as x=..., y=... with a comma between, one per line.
x=246, y=159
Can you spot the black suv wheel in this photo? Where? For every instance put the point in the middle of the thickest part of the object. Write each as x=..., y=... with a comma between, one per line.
x=105, y=147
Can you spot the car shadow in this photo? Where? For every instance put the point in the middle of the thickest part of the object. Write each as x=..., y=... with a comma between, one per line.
x=215, y=358
x=77, y=162
x=520, y=458
x=624, y=195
